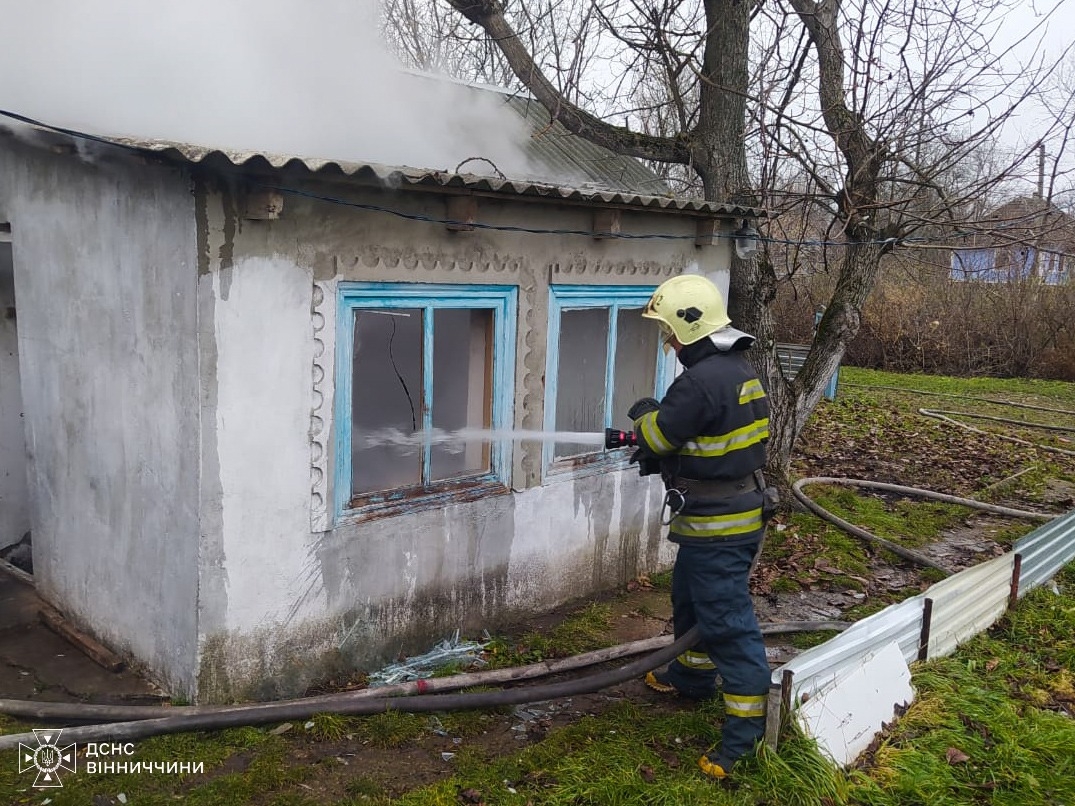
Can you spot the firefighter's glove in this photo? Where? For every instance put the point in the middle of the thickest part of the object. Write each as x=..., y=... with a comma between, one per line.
x=648, y=465
x=643, y=406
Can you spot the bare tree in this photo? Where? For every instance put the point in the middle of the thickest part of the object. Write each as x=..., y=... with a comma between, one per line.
x=862, y=114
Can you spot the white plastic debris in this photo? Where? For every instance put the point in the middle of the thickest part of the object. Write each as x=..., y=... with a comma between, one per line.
x=845, y=716
x=449, y=652
x=121, y=798
x=447, y=756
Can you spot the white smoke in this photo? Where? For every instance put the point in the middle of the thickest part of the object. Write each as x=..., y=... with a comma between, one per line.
x=309, y=78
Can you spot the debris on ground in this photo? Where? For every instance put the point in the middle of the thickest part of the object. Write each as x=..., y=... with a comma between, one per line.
x=451, y=653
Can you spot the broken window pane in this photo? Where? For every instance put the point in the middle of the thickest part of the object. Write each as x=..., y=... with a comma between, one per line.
x=580, y=382
x=635, y=363
x=387, y=384
x=389, y=395
x=462, y=398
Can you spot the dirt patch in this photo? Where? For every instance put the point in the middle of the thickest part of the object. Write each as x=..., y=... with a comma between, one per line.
x=971, y=543
x=36, y=663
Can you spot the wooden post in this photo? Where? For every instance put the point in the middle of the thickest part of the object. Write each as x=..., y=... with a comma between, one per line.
x=606, y=223
x=705, y=231
x=778, y=709
x=772, y=716
x=1017, y=570
x=462, y=213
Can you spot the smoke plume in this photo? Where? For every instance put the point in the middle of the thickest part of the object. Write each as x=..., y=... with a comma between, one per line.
x=309, y=78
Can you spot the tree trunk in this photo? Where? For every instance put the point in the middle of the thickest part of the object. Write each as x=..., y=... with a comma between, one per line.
x=791, y=403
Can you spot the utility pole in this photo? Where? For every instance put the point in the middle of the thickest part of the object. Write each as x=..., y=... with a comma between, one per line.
x=1041, y=171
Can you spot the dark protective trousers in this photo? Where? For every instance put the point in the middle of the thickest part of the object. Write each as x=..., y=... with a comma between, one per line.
x=710, y=589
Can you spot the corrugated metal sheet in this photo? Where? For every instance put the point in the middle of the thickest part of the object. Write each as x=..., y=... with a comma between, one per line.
x=825, y=664
x=968, y=603
x=595, y=174
x=561, y=153
x=964, y=605
x=791, y=358
x=411, y=177
x=1045, y=551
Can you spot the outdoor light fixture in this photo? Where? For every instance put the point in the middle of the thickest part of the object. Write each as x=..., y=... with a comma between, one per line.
x=746, y=240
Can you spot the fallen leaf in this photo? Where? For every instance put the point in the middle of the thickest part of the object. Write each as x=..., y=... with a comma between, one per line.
x=956, y=756
x=671, y=759
x=648, y=775
x=992, y=664
x=470, y=796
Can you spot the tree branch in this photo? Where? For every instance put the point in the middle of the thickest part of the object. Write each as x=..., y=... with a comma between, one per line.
x=489, y=14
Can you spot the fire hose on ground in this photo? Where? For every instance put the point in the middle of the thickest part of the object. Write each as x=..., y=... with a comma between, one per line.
x=142, y=721
x=123, y=723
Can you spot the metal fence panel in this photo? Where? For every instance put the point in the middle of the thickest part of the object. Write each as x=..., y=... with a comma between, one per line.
x=963, y=606
x=791, y=357
x=968, y=603
x=828, y=662
x=1045, y=551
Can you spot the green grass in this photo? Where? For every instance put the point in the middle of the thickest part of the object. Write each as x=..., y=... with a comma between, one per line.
x=909, y=522
x=392, y=728
x=993, y=701
x=586, y=629
x=1000, y=700
x=331, y=727
x=1026, y=390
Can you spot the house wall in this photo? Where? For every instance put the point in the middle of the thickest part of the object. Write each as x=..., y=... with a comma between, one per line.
x=14, y=493
x=104, y=277
x=290, y=594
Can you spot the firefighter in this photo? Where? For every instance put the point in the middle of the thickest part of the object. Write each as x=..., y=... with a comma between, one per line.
x=707, y=439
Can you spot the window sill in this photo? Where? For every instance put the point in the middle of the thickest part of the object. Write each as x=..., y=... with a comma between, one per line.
x=415, y=499
x=592, y=464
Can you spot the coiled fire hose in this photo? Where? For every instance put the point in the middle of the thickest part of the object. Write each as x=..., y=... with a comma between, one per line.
x=895, y=548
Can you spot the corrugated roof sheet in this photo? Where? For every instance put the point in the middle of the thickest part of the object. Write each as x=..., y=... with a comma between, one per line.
x=413, y=177
x=564, y=166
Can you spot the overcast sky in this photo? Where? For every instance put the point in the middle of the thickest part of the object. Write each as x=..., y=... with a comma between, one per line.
x=305, y=77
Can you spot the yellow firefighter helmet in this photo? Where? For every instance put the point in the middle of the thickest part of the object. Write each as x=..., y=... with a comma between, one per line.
x=688, y=307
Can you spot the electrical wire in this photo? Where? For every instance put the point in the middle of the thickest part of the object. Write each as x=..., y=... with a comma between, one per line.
x=921, y=242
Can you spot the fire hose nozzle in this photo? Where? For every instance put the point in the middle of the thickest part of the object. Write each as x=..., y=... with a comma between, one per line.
x=614, y=438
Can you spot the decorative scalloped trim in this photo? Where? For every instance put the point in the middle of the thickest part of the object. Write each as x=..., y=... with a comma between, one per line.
x=404, y=258
x=322, y=309
x=624, y=268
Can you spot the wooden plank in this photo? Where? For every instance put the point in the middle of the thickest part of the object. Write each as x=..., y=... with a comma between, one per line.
x=606, y=223
x=462, y=213
x=98, y=653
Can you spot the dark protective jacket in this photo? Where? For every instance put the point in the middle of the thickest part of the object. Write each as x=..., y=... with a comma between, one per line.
x=712, y=425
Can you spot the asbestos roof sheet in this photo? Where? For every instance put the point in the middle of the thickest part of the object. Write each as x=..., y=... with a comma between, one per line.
x=412, y=177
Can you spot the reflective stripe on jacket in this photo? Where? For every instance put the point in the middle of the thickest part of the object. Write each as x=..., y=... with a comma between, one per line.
x=713, y=423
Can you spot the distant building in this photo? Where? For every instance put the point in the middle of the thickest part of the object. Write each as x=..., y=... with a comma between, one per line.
x=208, y=347
x=1025, y=238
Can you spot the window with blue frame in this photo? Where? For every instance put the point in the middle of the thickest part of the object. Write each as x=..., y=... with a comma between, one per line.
x=416, y=364
x=602, y=357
